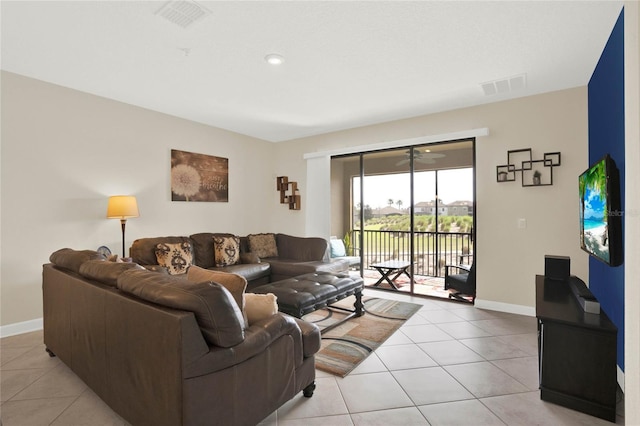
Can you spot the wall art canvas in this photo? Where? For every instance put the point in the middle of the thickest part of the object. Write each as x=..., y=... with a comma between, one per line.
x=199, y=177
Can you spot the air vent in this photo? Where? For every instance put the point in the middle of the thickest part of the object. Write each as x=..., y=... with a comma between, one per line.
x=505, y=85
x=182, y=13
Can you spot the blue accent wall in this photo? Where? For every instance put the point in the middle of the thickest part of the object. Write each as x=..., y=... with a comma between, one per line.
x=606, y=136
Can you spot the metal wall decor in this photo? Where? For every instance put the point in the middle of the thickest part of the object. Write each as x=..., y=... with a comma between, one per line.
x=282, y=185
x=532, y=172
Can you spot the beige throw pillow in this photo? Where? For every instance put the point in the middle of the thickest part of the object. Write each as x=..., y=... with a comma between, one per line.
x=226, y=250
x=236, y=284
x=260, y=306
x=263, y=245
x=176, y=257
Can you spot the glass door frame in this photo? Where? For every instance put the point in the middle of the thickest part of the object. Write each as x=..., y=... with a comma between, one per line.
x=412, y=249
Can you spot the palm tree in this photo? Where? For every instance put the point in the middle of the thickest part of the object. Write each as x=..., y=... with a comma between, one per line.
x=399, y=203
x=390, y=202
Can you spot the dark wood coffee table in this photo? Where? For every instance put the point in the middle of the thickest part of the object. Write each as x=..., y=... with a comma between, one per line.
x=389, y=267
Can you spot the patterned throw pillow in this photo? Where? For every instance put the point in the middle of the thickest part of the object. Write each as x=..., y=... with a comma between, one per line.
x=226, y=250
x=263, y=245
x=175, y=257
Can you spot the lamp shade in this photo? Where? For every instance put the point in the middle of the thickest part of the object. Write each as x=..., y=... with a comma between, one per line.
x=122, y=207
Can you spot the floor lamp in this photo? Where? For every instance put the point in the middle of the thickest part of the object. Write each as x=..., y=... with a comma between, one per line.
x=122, y=207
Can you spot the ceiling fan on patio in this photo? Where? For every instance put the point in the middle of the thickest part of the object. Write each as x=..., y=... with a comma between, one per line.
x=425, y=157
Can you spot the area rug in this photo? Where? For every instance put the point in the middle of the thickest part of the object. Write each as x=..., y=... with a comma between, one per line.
x=347, y=345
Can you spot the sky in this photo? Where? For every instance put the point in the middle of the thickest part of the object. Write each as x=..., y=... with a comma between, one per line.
x=453, y=185
x=593, y=206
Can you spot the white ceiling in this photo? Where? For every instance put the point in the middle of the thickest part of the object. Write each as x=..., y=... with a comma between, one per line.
x=347, y=63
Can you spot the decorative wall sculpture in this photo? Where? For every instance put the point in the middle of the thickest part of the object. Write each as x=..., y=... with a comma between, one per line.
x=199, y=177
x=532, y=172
x=293, y=199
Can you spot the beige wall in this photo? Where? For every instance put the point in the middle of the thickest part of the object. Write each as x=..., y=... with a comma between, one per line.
x=508, y=257
x=64, y=152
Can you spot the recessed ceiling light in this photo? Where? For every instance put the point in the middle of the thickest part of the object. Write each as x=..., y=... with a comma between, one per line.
x=274, y=59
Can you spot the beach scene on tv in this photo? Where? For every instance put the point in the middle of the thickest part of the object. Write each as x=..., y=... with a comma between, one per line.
x=593, y=212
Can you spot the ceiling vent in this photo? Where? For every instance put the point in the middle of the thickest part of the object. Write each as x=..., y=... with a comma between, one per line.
x=182, y=13
x=505, y=85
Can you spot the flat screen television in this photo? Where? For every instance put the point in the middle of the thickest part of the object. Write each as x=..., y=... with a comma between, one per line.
x=600, y=214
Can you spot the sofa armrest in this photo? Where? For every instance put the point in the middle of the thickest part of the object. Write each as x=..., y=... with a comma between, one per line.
x=257, y=339
x=311, y=338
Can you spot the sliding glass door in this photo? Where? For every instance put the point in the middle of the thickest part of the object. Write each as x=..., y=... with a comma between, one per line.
x=406, y=212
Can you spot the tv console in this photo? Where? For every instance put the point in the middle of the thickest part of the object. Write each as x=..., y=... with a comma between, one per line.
x=576, y=350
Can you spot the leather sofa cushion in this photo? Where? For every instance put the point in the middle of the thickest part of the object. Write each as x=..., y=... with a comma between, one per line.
x=105, y=272
x=302, y=248
x=251, y=271
x=203, y=248
x=72, y=259
x=220, y=320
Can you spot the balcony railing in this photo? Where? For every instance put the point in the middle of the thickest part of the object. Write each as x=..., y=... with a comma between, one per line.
x=431, y=250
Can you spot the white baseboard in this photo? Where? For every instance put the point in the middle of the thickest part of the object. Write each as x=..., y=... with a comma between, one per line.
x=505, y=307
x=21, y=327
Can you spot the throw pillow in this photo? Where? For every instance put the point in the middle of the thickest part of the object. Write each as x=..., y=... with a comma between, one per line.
x=175, y=257
x=263, y=245
x=337, y=248
x=226, y=250
x=236, y=284
x=260, y=306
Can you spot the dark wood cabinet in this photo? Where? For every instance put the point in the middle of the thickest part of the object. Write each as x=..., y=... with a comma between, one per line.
x=576, y=352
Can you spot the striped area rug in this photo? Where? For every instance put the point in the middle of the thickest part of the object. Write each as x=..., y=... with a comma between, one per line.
x=347, y=345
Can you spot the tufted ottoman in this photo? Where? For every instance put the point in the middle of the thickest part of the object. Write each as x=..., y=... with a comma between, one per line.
x=306, y=293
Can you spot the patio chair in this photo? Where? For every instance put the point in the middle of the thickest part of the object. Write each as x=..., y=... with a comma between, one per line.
x=463, y=282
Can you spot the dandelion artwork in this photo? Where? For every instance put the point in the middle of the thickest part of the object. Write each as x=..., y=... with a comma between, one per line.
x=199, y=177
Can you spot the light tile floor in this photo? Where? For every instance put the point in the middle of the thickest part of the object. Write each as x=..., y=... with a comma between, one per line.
x=450, y=364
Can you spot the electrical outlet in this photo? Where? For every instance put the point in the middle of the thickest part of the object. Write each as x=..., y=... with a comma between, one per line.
x=522, y=223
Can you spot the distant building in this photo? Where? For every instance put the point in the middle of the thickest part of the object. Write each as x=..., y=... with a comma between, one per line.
x=387, y=211
x=425, y=207
x=457, y=208
x=460, y=208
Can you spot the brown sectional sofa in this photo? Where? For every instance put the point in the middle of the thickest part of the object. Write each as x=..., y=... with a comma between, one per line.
x=160, y=353
x=296, y=256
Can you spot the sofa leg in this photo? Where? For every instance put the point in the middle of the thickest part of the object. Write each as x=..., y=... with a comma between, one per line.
x=51, y=354
x=308, y=391
x=358, y=306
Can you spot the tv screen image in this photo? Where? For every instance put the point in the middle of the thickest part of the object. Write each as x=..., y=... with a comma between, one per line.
x=600, y=221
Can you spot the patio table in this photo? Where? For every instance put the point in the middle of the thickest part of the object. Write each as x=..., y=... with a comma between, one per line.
x=389, y=267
